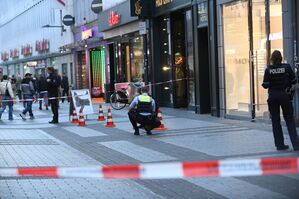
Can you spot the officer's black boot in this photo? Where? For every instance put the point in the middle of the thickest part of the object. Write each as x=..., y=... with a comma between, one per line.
x=136, y=131
x=148, y=130
x=280, y=148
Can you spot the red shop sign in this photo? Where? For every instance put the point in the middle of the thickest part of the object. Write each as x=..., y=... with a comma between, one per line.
x=26, y=50
x=114, y=18
x=42, y=45
x=14, y=53
x=4, y=56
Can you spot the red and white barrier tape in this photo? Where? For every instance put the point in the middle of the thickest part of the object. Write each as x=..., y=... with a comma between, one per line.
x=51, y=98
x=170, y=170
x=37, y=99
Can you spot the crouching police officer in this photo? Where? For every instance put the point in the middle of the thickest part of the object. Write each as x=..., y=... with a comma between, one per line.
x=142, y=111
x=280, y=79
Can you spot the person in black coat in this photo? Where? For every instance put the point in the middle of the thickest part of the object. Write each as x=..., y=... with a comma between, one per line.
x=65, y=87
x=280, y=80
x=41, y=87
x=53, y=83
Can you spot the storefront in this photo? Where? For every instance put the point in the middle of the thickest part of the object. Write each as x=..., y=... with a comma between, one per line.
x=126, y=58
x=171, y=62
x=249, y=31
x=90, y=59
x=125, y=46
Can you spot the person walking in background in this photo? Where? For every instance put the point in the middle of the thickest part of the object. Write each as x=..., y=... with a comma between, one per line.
x=53, y=84
x=41, y=87
x=28, y=91
x=65, y=87
x=7, y=94
x=280, y=80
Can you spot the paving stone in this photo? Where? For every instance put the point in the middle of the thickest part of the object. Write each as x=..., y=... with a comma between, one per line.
x=75, y=188
x=137, y=152
x=234, y=188
x=227, y=143
x=191, y=137
x=84, y=131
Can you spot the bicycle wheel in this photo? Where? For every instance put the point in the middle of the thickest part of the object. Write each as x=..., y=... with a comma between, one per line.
x=118, y=100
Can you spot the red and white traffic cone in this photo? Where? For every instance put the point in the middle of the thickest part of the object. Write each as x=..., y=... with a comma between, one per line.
x=161, y=127
x=109, y=119
x=101, y=115
x=74, y=117
x=81, y=119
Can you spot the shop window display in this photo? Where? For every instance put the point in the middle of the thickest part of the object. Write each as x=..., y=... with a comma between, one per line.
x=237, y=47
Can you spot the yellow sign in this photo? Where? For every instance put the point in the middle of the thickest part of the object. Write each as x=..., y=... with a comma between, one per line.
x=162, y=2
x=138, y=7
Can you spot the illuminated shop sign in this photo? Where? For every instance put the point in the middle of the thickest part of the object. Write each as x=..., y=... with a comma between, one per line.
x=42, y=45
x=14, y=53
x=86, y=34
x=114, y=18
x=141, y=8
x=162, y=2
x=4, y=56
x=26, y=50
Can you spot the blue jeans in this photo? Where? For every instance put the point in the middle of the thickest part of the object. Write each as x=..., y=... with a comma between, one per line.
x=43, y=95
x=4, y=104
x=28, y=107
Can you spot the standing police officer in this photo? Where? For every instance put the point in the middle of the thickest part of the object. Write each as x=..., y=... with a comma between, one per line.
x=279, y=79
x=53, y=83
x=142, y=111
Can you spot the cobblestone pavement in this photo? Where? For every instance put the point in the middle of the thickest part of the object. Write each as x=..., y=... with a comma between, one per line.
x=190, y=137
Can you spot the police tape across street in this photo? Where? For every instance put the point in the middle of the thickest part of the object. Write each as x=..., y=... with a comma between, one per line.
x=66, y=97
x=166, y=170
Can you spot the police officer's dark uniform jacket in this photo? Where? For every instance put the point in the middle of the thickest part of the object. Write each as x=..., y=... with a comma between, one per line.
x=53, y=83
x=279, y=79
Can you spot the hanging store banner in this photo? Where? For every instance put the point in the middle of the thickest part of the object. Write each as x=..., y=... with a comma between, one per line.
x=4, y=56
x=26, y=50
x=14, y=53
x=42, y=45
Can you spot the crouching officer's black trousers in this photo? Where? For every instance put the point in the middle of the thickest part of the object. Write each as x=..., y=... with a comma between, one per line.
x=277, y=99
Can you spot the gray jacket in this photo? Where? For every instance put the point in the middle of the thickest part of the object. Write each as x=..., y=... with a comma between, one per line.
x=27, y=88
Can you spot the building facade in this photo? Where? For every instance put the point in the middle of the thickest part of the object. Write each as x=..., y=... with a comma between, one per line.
x=29, y=42
x=124, y=45
x=88, y=49
x=248, y=31
x=183, y=40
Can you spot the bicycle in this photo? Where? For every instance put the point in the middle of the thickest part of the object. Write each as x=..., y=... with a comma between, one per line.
x=124, y=93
